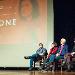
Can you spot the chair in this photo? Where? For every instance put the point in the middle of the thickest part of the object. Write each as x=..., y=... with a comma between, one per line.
x=73, y=61
x=40, y=61
x=67, y=62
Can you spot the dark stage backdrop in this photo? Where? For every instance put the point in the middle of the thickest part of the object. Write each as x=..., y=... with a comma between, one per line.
x=64, y=20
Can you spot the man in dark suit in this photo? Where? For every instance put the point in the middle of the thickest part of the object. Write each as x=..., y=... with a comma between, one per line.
x=69, y=58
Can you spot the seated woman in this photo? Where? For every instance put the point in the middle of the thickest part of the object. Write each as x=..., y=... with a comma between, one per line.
x=51, y=57
x=62, y=50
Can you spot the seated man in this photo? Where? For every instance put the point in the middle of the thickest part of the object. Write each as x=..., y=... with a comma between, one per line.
x=51, y=57
x=73, y=50
x=62, y=50
x=66, y=61
x=68, y=58
x=39, y=53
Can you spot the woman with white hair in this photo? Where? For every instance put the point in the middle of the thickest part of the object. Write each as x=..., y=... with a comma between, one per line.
x=62, y=50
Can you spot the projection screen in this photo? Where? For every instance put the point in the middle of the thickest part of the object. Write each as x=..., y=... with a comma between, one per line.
x=24, y=24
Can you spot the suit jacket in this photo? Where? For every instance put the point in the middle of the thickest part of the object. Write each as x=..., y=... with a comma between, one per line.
x=64, y=50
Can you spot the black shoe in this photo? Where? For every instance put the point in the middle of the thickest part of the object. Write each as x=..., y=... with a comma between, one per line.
x=26, y=57
x=30, y=69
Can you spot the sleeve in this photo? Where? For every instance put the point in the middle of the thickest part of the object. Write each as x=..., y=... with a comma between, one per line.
x=66, y=48
x=73, y=50
x=49, y=53
x=44, y=52
x=58, y=50
x=37, y=52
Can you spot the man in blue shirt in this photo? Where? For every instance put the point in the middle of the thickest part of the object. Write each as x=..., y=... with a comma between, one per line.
x=39, y=53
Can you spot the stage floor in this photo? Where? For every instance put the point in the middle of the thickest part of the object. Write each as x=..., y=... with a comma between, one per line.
x=35, y=73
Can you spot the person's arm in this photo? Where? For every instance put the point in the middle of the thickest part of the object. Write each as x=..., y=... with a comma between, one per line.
x=49, y=53
x=38, y=51
x=57, y=54
x=66, y=49
x=58, y=50
x=44, y=52
x=73, y=50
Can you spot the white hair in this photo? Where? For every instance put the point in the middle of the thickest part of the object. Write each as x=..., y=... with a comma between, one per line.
x=64, y=40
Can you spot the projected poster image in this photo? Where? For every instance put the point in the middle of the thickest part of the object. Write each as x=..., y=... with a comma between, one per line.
x=31, y=14
x=29, y=21
x=23, y=24
x=27, y=9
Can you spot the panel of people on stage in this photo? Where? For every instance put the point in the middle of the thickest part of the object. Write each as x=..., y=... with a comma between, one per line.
x=55, y=55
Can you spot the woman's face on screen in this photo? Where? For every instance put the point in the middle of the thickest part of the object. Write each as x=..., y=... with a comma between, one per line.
x=26, y=7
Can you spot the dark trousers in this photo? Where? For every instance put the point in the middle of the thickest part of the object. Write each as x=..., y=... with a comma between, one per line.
x=34, y=58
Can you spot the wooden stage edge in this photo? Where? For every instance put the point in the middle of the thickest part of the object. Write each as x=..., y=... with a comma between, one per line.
x=15, y=72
